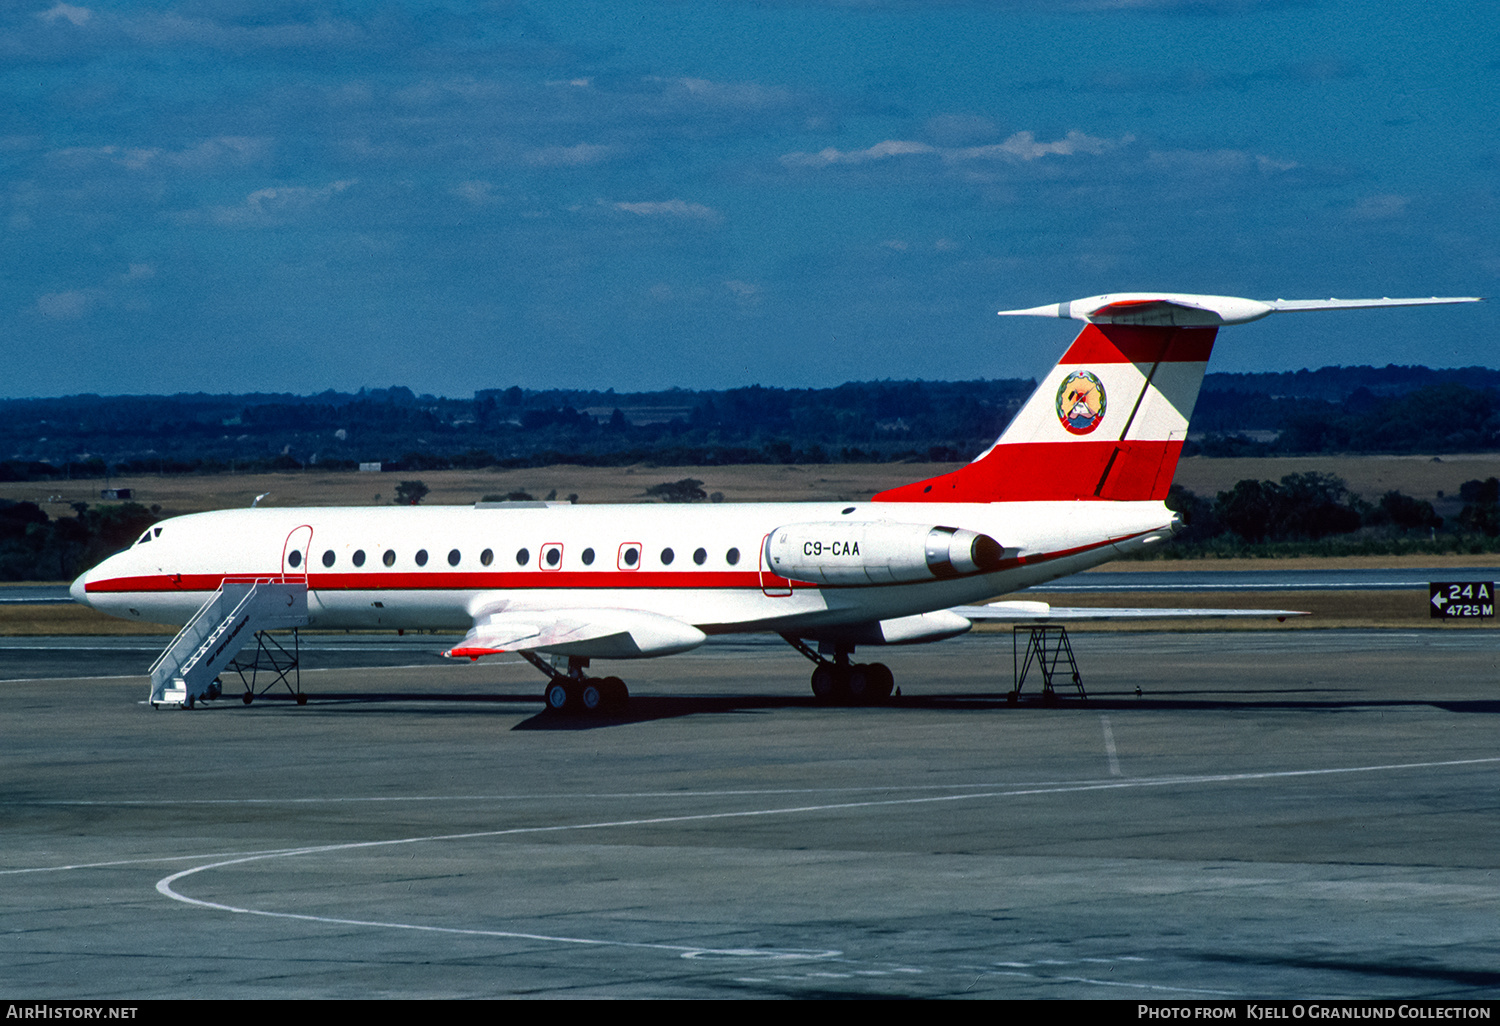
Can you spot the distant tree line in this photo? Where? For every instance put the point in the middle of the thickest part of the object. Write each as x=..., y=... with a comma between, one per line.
x=83, y=436
x=36, y=547
x=1335, y=409
x=1315, y=512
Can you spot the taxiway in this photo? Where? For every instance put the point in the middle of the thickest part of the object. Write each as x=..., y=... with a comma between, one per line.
x=1308, y=814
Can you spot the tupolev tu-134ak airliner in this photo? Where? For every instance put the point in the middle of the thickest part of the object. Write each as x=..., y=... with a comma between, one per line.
x=1078, y=478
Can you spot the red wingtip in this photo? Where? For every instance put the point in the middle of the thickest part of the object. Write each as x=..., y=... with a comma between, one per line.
x=471, y=652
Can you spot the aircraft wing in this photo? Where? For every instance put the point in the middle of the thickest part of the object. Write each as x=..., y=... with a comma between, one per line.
x=1042, y=612
x=594, y=633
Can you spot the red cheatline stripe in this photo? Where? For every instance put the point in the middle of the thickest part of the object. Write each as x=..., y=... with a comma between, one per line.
x=1120, y=343
x=534, y=581
x=396, y=580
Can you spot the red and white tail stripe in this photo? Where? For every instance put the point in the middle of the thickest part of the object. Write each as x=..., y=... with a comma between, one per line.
x=1109, y=422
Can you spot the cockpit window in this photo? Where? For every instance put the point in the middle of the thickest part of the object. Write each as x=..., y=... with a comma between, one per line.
x=145, y=537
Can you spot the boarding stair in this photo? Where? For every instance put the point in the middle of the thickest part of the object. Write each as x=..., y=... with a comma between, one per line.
x=241, y=610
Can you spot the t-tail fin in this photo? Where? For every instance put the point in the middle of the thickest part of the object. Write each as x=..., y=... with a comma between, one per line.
x=1110, y=420
x=1107, y=423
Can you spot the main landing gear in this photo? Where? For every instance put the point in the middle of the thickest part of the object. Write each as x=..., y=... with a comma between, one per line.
x=840, y=682
x=574, y=692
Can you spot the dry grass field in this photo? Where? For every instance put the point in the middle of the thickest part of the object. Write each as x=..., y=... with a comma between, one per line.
x=751, y=483
x=1422, y=477
x=1370, y=476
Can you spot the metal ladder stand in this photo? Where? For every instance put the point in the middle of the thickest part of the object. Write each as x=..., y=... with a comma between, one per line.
x=188, y=671
x=1046, y=648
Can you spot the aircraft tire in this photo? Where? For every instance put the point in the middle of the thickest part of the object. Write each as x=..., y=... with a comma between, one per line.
x=301, y=699
x=558, y=696
x=882, y=682
x=248, y=697
x=825, y=683
x=593, y=696
x=859, y=685
x=616, y=694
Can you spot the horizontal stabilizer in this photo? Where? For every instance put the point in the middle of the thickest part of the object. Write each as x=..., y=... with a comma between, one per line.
x=1041, y=612
x=1184, y=310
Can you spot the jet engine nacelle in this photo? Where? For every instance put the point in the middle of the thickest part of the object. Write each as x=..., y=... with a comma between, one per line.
x=876, y=552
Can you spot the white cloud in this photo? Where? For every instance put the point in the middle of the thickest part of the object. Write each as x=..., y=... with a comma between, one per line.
x=79, y=16
x=118, y=290
x=1022, y=146
x=727, y=94
x=223, y=151
x=476, y=192
x=671, y=208
x=272, y=205
x=1380, y=208
x=1215, y=162
x=880, y=151
x=569, y=156
x=67, y=306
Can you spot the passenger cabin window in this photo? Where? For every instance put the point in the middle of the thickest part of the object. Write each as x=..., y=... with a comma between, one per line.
x=552, y=555
x=667, y=557
x=487, y=557
x=389, y=559
x=523, y=557
x=328, y=558
x=359, y=557
x=453, y=558
x=732, y=556
x=588, y=557
x=700, y=556
x=294, y=559
x=421, y=557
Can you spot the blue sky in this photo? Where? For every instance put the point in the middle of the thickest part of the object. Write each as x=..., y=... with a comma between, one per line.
x=277, y=195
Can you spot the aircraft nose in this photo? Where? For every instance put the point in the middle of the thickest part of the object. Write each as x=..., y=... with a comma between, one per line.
x=77, y=589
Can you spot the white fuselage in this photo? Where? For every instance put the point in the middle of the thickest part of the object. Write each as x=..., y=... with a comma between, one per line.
x=412, y=567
